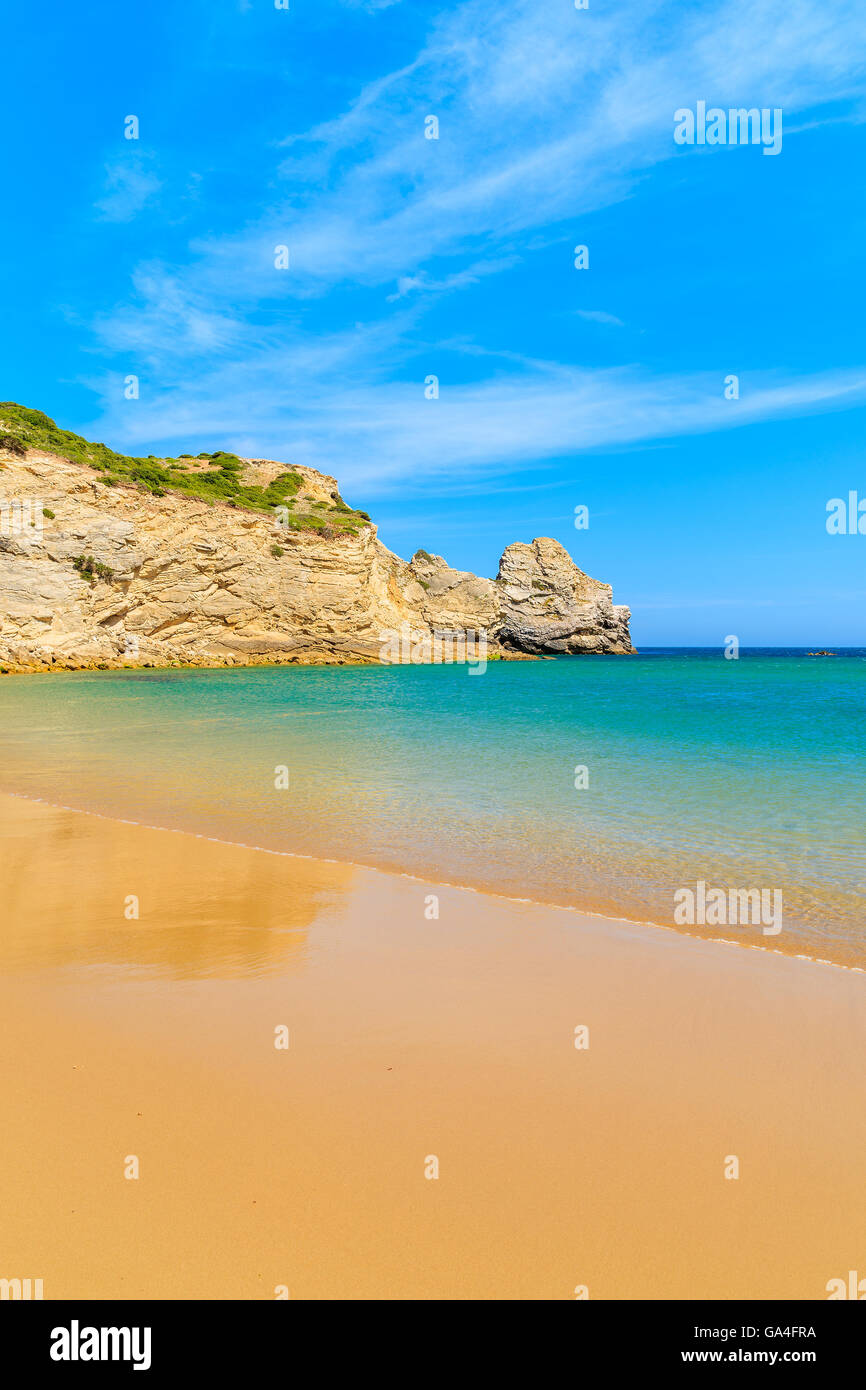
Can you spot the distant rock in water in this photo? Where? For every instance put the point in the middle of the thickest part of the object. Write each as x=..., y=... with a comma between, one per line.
x=822, y=653
x=108, y=561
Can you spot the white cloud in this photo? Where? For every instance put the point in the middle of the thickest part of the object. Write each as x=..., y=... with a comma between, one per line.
x=546, y=113
x=371, y=5
x=599, y=316
x=426, y=284
x=129, y=185
x=389, y=435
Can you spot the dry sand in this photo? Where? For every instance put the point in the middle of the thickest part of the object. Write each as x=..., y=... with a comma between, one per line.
x=409, y=1037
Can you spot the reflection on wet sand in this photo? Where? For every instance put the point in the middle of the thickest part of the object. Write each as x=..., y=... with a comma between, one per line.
x=147, y=906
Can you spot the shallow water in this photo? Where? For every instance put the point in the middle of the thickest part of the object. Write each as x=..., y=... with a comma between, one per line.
x=742, y=774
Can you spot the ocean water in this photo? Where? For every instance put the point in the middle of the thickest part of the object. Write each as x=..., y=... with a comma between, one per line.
x=744, y=774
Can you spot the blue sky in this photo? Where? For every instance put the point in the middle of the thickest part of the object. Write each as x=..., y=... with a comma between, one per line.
x=454, y=257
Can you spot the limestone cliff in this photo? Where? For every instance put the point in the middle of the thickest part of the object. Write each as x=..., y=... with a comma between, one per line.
x=549, y=605
x=109, y=576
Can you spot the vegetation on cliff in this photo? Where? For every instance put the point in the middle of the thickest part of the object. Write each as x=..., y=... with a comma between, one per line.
x=217, y=477
x=93, y=569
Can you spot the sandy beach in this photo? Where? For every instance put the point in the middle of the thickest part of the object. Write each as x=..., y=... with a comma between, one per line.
x=409, y=1037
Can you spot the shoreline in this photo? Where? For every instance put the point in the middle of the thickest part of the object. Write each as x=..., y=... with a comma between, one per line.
x=562, y=1162
x=323, y=658
x=327, y=658
x=579, y=911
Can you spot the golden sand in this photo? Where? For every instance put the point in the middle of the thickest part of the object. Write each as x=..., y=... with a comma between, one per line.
x=410, y=1037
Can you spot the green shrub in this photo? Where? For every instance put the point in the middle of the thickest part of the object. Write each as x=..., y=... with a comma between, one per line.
x=93, y=569
x=22, y=428
x=277, y=551
x=13, y=445
x=46, y=511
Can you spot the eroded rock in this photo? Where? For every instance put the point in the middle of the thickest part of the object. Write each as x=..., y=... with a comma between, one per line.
x=175, y=580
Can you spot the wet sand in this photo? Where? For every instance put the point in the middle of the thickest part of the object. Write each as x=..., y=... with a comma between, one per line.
x=409, y=1037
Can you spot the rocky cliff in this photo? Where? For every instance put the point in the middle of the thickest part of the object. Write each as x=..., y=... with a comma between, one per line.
x=96, y=575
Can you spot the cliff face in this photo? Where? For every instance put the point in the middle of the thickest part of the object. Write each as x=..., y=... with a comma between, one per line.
x=108, y=576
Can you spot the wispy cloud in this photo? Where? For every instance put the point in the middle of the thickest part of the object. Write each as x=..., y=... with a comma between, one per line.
x=427, y=284
x=545, y=115
x=599, y=316
x=390, y=435
x=370, y=5
x=129, y=186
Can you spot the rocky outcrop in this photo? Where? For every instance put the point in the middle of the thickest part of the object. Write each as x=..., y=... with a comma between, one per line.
x=455, y=599
x=549, y=605
x=97, y=576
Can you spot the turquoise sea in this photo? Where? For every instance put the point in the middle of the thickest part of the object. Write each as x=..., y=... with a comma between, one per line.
x=741, y=774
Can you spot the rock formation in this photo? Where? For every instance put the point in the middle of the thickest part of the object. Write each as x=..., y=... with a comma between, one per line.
x=549, y=605
x=110, y=576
